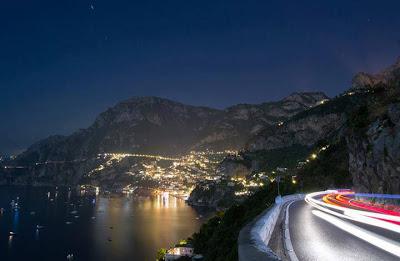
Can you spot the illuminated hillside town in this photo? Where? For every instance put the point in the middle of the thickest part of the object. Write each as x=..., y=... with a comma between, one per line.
x=178, y=176
x=175, y=176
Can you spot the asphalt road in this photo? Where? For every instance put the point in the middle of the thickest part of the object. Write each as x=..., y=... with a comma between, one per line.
x=313, y=238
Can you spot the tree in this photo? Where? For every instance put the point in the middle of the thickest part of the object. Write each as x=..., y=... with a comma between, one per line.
x=161, y=254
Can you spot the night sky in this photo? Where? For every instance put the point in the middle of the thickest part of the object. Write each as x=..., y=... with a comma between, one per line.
x=63, y=62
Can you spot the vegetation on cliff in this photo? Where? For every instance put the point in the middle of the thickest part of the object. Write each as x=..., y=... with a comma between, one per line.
x=214, y=195
x=217, y=239
x=330, y=169
x=269, y=160
x=373, y=140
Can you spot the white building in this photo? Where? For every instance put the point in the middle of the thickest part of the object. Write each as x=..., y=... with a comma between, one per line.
x=177, y=252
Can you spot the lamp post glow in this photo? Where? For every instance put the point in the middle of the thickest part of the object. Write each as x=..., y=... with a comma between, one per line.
x=278, y=180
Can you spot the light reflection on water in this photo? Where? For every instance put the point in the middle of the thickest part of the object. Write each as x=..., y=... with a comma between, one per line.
x=108, y=228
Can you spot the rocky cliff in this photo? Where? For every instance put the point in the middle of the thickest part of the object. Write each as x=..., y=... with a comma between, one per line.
x=362, y=80
x=213, y=195
x=366, y=117
x=160, y=126
x=374, y=158
x=234, y=167
x=307, y=127
x=288, y=142
x=152, y=125
x=374, y=135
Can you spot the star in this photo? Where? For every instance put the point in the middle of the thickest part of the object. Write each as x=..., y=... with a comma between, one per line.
x=92, y=7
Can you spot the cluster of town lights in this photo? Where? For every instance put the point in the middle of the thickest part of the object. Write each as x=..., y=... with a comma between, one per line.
x=178, y=177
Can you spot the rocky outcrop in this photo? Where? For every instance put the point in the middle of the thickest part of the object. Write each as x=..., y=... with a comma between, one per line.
x=160, y=126
x=213, y=195
x=304, y=131
x=374, y=158
x=233, y=167
x=296, y=136
x=364, y=80
x=374, y=137
x=242, y=121
x=319, y=122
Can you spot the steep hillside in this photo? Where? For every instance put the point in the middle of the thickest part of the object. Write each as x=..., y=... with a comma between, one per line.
x=373, y=138
x=363, y=81
x=152, y=125
x=241, y=121
x=308, y=127
x=159, y=126
x=362, y=127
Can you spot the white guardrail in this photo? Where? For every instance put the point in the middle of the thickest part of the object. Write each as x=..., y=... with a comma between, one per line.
x=254, y=237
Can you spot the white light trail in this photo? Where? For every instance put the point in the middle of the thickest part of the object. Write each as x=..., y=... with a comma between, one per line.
x=383, y=243
x=372, y=219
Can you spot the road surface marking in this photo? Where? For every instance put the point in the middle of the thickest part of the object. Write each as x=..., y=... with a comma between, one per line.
x=287, y=240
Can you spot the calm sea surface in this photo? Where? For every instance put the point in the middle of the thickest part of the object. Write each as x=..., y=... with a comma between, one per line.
x=90, y=227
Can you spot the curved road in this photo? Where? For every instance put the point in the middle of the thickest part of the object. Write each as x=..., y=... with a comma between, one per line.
x=314, y=238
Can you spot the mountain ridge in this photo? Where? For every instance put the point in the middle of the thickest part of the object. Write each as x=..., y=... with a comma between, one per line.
x=130, y=124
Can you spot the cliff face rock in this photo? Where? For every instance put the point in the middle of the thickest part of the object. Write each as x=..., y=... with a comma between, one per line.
x=374, y=139
x=307, y=127
x=160, y=126
x=233, y=167
x=374, y=158
x=364, y=80
x=238, y=123
x=304, y=131
x=212, y=195
x=294, y=138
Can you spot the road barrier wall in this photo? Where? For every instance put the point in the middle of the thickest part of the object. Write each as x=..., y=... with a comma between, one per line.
x=254, y=237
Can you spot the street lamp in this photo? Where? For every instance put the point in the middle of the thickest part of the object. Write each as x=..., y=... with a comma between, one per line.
x=278, y=199
x=278, y=180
